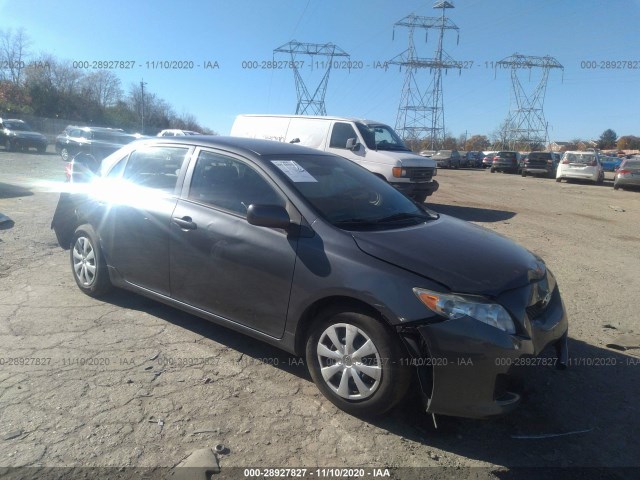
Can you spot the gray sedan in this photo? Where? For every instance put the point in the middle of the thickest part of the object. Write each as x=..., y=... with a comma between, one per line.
x=628, y=175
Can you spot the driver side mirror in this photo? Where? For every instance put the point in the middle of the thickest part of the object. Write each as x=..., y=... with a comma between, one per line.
x=270, y=216
x=353, y=144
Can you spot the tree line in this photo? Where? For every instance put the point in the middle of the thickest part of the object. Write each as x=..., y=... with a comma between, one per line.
x=45, y=86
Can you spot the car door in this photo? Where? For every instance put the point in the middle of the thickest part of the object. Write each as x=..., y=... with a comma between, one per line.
x=219, y=262
x=134, y=228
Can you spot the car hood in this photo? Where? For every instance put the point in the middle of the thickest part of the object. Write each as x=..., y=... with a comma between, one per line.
x=462, y=256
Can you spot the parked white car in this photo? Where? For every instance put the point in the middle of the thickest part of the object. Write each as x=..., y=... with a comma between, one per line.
x=581, y=166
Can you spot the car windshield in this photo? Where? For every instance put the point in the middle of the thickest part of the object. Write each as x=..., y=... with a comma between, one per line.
x=347, y=195
x=580, y=157
x=381, y=137
x=17, y=126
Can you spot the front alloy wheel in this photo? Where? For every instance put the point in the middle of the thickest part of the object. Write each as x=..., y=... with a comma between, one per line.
x=356, y=362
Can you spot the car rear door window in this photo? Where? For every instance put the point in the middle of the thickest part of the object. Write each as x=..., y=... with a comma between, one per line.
x=230, y=184
x=155, y=167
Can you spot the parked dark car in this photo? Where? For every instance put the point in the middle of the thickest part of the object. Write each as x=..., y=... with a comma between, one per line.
x=97, y=141
x=18, y=135
x=475, y=159
x=447, y=158
x=469, y=159
x=506, y=161
x=541, y=163
x=628, y=175
x=316, y=255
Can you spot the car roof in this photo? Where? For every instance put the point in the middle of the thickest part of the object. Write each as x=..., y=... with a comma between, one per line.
x=317, y=117
x=253, y=146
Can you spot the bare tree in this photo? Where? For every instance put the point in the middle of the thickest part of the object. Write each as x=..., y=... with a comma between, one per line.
x=103, y=87
x=14, y=51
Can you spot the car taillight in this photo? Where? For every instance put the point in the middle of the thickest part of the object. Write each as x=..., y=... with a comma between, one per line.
x=624, y=172
x=549, y=162
x=565, y=162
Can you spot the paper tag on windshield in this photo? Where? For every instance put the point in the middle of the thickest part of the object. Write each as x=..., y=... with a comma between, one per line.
x=294, y=171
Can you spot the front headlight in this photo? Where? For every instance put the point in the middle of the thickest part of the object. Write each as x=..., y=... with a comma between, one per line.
x=452, y=306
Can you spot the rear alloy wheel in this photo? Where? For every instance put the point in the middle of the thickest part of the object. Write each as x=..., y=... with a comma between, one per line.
x=88, y=265
x=356, y=362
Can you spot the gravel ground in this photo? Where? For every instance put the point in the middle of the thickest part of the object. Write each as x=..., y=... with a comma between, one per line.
x=127, y=382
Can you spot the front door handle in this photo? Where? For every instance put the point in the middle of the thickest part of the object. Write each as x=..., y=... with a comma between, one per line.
x=186, y=223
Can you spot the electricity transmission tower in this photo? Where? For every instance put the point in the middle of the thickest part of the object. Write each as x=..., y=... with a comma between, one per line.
x=421, y=110
x=526, y=124
x=311, y=104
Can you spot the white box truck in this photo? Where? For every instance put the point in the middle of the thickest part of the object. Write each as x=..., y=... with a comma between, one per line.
x=373, y=145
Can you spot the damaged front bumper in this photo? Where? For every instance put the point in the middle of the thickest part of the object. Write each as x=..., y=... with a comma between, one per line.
x=466, y=367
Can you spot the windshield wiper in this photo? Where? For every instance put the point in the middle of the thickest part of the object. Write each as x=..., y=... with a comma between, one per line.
x=396, y=217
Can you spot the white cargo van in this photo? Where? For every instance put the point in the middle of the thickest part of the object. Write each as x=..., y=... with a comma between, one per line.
x=373, y=145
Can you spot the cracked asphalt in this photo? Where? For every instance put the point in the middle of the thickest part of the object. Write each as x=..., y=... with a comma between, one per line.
x=128, y=382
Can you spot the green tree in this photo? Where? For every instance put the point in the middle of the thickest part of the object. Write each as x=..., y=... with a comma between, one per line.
x=607, y=139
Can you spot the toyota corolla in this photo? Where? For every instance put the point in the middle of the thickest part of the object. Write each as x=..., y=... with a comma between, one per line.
x=314, y=254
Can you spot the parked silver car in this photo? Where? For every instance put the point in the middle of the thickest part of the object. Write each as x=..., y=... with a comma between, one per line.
x=628, y=175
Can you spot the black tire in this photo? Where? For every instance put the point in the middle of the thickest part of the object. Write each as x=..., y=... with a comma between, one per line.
x=383, y=393
x=42, y=150
x=9, y=145
x=523, y=173
x=493, y=170
x=85, y=255
x=616, y=187
x=600, y=180
x=559, y=179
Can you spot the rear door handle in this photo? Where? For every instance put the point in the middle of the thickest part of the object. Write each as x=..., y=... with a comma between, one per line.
x=186, y=223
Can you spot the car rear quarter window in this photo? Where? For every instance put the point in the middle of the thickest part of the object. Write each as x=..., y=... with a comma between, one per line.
x=230, y=184
x=155, y=167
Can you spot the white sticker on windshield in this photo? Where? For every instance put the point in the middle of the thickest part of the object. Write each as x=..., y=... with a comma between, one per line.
x=294, y=171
